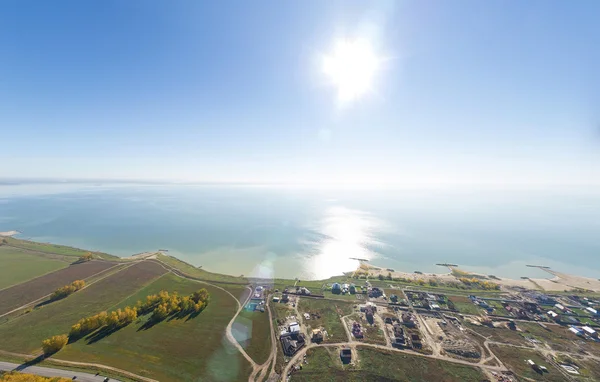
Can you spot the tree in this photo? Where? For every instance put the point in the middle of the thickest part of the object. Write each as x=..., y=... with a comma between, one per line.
x=389, y=276
x=380, y=277
x=14, y=376
x=54, y=344
x=87, y=257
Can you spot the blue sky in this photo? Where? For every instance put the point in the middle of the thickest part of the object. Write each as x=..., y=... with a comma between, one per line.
x=468, y=92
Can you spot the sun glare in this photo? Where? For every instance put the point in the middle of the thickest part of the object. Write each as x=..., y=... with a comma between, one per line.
x=351, y=67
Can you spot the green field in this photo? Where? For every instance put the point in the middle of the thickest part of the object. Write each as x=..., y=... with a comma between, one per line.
x=465, y=305
x=173, y=350
x=504, y=335
x=55, y=249
x=515, y=359
x=382, y=365
x=330, y=316
x=253, y=332
x=19, y=265
x=195, y=272
x=25, y=334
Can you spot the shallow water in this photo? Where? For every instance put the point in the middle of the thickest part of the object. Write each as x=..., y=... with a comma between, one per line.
x=285, y=232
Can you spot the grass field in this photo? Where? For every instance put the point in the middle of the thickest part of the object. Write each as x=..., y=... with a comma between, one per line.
x=19, y=265
x=32, y=290
x=25, y=334
x=515, y=359
x=55, y=248
x=372, y=334
x=504, y=335
x=253, y=332
x=330, y=313
x=465, y=305
x=559, y=338
x=175, y=350
x=381, y=365
x=199, y=273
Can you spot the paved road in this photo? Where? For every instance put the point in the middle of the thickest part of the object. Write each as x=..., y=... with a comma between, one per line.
x=49, y=372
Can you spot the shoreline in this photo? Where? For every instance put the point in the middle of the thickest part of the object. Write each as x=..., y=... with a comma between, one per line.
x=559, y=282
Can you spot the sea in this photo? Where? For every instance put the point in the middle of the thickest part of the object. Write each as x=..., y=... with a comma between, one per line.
x=313, y=233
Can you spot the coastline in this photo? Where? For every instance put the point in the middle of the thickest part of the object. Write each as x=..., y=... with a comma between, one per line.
x=558, y=282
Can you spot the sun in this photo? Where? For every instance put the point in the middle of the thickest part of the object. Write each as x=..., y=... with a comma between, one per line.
x=351, y=68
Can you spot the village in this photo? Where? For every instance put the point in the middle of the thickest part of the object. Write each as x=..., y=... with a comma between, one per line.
x=555, y=335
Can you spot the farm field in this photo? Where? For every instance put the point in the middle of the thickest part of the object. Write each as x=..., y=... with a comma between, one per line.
x=15, y=296
x=515, y=359
x=382, y=365
x=25, y=333
x=172, y=350
x=329, y=312
x=18, y=265
x=253, y=331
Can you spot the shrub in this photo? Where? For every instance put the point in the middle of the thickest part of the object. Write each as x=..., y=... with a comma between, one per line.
x=54, y=344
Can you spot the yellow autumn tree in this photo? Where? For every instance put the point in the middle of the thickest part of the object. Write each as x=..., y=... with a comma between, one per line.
x=14, y=376
x=54, y=344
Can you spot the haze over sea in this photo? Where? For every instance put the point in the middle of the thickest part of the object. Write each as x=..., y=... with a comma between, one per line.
x=276, y=231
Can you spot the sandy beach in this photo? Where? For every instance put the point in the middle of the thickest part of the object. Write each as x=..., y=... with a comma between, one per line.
x=9, y=233
x=557, y=282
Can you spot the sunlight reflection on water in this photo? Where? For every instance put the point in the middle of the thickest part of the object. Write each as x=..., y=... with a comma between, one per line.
x=347, y=233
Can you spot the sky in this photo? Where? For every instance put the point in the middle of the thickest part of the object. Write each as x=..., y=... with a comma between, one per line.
x=457, y=92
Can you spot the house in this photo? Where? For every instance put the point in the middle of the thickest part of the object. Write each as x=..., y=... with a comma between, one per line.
x=408, y=320
x=336, y=288
x=275, y=299
x=369, y=314
x=576, y=331
x=304, y=291
x=375, y=292
x=394, y=298
x=369, y=305
x=346, y=356
x=357, y=330
x=294, y=327
x=434, y=306
x=559, y=307
x=292, y=342
x=591, y=311
x=317, y=335
x=589, y=331
x=552, y=314
x=285, y=298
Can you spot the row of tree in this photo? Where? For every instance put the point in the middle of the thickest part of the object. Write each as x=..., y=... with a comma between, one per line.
x=161, y=305
x=478, y=283
x=65, y=291
x=116, y=319
x=164, y=304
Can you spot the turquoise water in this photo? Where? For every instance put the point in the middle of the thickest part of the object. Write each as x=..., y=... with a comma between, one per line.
x=285, y=232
